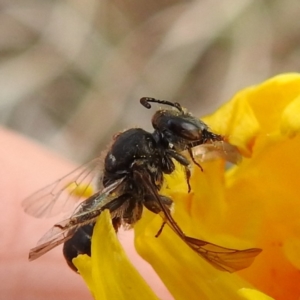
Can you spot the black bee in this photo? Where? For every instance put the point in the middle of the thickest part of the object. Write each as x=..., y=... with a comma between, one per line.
x=130, y=180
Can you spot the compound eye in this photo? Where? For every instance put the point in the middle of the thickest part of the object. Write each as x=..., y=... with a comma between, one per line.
x=184, y=129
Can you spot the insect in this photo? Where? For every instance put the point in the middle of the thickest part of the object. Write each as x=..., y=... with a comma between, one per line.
x=130, y=180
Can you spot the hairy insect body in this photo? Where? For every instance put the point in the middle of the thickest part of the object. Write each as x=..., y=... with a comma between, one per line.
x=129, y=146
x=80, y=243
x=131, y=149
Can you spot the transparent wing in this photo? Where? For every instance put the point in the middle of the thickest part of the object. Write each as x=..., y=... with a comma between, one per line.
x=85, y=213
x=62, y=195
x=54, y=237
x=224, y=259
x=217, y=149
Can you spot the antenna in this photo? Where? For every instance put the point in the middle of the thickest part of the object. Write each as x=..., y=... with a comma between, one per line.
x=145, y=102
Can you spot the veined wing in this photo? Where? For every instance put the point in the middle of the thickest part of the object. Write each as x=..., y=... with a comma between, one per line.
x=216, y=149
x=224, y=259
x=62, y=195
x=85, y=213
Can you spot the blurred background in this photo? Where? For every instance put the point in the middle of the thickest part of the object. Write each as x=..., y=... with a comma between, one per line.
x=72, y=71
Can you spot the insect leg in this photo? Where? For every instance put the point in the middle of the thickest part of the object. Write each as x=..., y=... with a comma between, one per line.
x=193, y=159
x=185, y=163
x=152, y=205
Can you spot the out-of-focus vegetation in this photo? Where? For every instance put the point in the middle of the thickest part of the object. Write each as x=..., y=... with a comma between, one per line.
x=72, y=71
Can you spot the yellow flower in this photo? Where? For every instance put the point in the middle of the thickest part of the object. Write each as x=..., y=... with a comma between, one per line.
x=253, y=204
x=108, y=272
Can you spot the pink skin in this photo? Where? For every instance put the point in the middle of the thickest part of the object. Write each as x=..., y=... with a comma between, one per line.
x=25, y=167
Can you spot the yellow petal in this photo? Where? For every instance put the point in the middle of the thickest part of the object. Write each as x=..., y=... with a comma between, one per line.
x=290, y=121
x=262, y=192
x=84, y=265
x=80, y=190
x=108, y=273
x=291, y=248
x=186, y=275
x=259, y=110
x=250, y=294
x=237, y=122
x=171, y=258
x=269, y=99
